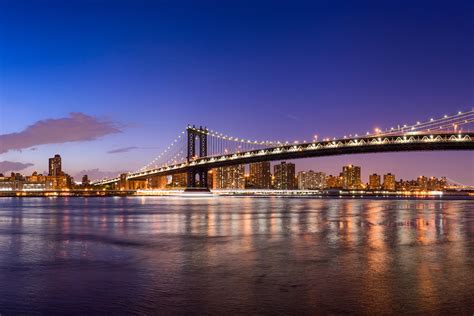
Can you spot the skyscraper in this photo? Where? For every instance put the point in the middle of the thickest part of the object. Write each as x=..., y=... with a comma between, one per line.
x=333, y=182
x=374, y=182
x=230, y=177
x=310, y=180
x=85, y=180
x=389, y=182
x=351, y=177
x=178, y=180
x=285, y=176
x=260, y=175
x=422, y=182
x=55, y=166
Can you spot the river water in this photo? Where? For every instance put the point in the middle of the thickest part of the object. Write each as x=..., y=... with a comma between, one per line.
x=236, y=255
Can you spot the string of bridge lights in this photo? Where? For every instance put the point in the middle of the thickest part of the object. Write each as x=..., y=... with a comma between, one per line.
x=223, y=136
x=166, y=151
x=461, y=118
x=432, y=124
x=468, y=117
x=172, y=161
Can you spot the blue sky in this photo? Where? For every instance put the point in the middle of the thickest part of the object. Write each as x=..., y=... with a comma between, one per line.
x=256, y=69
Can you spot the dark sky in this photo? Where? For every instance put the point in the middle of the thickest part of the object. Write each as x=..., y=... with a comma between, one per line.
x=135, y=73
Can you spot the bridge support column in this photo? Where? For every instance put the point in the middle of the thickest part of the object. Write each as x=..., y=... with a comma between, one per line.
x=197, y=135
x=197, y=180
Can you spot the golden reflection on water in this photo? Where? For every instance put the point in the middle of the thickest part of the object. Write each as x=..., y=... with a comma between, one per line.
x=367, y=255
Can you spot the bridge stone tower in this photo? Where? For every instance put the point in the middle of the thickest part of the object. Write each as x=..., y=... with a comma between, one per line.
x=197, y=135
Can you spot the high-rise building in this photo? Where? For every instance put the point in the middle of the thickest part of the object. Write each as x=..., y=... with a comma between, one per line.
x=374, y=182
x=230, y=177
x=443, y=182
x=178, y=180
x=333, y=182
x=55, y=166
x=260, y=176
x=389, y=182
x=158, y=182
x=85, y=180
x=422, y=182
x=285, y=176
x=351, y=177
x=310, y=180
x=210, y=179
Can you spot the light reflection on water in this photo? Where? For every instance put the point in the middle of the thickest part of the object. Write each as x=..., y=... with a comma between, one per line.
x=256, y=255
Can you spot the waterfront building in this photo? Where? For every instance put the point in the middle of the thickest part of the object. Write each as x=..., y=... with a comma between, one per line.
x=310, y=180
x=157, y=182
x=351, y=177
x=210, y=179
x=374, y=182
x=389, y=182
x=443, y=183
x=55, y=168
x=125, y=184
x=333, y=182
x=422, y=183
x=259, y=175
x=285, y=176
x=85, y=180
x=229, y=177
x=179, y=180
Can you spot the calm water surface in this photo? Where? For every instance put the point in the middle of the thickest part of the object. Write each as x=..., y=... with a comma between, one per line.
x=236, y=255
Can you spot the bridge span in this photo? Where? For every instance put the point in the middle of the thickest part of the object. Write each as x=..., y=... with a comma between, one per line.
x=197, y=150
x=355, y=145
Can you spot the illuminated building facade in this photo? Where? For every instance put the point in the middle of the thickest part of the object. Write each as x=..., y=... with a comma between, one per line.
x=374, y=182
x=333, y=182
x=351, y=177
x=158, y=182
x=125, y=184
x=422, y=183
x=230, y=177
x=85, y=180
x=178, y=180
x=310, y=180
x=260, y=176
x=285, y=176
x=389, y=182
x=55, y=168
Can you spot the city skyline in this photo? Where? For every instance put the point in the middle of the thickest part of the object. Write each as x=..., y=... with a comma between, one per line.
x=112, y=86
x=240, y=176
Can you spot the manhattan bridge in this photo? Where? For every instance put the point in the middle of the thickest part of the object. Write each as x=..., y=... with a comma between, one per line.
x=196, y=150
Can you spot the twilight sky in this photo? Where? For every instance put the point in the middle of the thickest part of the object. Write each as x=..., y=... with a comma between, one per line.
x=107, y=84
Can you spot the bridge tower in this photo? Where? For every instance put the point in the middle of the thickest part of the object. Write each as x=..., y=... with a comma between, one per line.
x=197, y=135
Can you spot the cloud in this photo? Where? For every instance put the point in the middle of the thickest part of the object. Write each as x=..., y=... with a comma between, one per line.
x=77, y=127
x=122, y=150
x=293, y=117
x=97, y=174
x=13, y=166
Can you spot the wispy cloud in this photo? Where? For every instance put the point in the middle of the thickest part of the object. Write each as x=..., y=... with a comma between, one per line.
x=13, y=166
x=293, y=117
x=77, y=127
x=122, y=150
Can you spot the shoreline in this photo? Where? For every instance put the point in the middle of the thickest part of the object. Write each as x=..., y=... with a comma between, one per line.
x=434, y=195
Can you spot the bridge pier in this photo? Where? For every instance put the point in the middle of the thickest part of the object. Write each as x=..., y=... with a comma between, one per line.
x=197, y=180
x=197, y=135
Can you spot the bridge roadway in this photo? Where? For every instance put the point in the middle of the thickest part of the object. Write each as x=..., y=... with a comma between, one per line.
x=360, y=145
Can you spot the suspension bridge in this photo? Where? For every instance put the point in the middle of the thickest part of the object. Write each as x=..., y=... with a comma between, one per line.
x=196, y=150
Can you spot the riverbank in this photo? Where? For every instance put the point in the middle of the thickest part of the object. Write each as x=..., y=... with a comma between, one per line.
x=257, y=193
